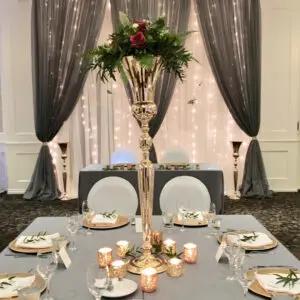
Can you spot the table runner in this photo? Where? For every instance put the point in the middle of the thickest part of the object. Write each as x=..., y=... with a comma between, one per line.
x=204, y=280
x=211, y=177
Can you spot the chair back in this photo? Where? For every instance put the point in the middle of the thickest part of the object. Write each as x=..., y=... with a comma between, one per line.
x=187, y=191
x=175, y=155
x=123, y=156
x=113, y=193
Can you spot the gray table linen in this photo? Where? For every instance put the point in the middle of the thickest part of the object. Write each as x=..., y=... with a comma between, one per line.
x=203, y=280
x=211, y=176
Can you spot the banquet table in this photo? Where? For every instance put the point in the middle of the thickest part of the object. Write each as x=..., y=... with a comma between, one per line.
x=211, y=177
x=203, y=280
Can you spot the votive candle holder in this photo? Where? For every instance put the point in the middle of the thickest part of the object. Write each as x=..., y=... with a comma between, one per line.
x=122, y=248
x=119, y=269
x=190, y=253
x=104, y=257
x=149, y=280
x=156, y=237
x=169, y=246
x=175, y=267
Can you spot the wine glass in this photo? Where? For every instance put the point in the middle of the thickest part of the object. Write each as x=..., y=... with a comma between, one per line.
x=96, y=278
x=181, y=208
x=210, y=217
x=72, y=227
x=239, y=262
x=46, y=267
x=88, y=216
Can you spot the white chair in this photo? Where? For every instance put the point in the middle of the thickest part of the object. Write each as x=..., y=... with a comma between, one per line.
x=123, y=156
x=187, y=191
x=113, y=193
x=175, y=155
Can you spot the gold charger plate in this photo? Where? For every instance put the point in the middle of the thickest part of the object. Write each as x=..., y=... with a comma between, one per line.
x=255, y=286
x=121, y=221
x=39, y=282
x=191, y=223
x=12, y=246
x=274, y=243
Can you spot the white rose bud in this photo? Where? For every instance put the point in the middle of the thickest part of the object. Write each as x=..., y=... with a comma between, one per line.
x=135, y=26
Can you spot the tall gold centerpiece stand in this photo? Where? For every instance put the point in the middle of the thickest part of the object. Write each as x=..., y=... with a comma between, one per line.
x=64, y=148
x=236, y=147
x=142, y=82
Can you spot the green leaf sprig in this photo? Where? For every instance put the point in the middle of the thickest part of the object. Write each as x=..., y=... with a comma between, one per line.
x=191, y=215
x=247, y=238
x=171, y=254
x=134, y=251
x=35, y=238
x=5, y=283
x=109, y=215
x=289, y=280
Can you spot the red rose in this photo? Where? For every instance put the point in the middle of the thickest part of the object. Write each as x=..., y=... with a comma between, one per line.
x=138, y=40
x=142, y=25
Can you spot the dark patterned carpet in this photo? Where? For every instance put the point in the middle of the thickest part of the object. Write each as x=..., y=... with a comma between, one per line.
x=280, y=215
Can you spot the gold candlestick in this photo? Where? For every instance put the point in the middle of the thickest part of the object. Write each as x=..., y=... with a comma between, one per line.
x=142, y=82
x=64, y=147
x=236, y=147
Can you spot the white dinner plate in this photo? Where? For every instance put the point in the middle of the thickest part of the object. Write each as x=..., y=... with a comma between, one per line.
x=121, y=288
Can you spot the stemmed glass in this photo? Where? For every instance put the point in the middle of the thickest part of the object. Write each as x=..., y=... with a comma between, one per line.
x=210, y=217
x=46, y=267
x=244, y=284
x=96, y=278
x=181, y=208
x=72, y=227
x=88, y=216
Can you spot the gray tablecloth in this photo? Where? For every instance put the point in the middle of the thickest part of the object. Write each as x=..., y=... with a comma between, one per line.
x=204, y=280
x=212, y=178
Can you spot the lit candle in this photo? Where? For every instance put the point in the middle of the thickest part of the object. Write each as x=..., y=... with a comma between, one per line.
x=169, y=246
x=119, y=268
x=149, y=280
x=156, y=238
x=190, y=253
x=122, y=248
x=104, y=257
x=175, y=267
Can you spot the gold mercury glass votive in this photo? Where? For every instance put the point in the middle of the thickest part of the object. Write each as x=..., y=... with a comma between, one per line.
x=156, y=237
x=149, y=280
x=175, y=267
x=121, y=248
x=104, y=257
x=169, y=246
x=119, y=269
x=190, y=253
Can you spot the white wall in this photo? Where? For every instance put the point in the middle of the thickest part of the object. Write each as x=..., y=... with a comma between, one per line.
x=279, y=136
x=280, y=140
x=16, y=88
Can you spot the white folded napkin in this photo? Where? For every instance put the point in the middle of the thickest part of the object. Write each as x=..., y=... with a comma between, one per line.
x=100, y=218
x=188, y=214
x=46, y=243
x=261, y=240
x=268, y=282
x=9, y=291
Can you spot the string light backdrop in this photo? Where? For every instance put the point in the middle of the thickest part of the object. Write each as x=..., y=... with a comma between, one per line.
x=197, y=120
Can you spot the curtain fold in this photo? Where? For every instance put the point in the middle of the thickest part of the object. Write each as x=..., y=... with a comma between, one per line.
x=177, y=16
x=61, y=32
x=231, y=32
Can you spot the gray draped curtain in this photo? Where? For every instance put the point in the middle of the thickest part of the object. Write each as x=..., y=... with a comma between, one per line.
x=231, y=31
x=61, y=32
x=177, y=16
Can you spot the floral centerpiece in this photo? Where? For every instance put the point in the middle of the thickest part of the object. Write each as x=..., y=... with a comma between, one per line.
x=139, y=51
x=144, y=40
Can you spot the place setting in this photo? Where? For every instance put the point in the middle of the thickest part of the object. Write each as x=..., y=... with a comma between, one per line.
x=103, y=220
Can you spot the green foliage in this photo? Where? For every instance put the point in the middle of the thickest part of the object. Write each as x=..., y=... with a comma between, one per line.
x=154, y=40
